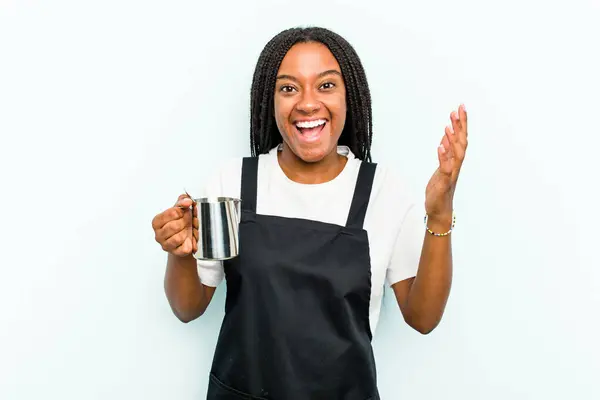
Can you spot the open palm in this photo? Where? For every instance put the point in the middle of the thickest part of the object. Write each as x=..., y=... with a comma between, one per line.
x=439, y=194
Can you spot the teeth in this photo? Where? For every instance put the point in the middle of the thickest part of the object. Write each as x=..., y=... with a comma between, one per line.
x=310, y=124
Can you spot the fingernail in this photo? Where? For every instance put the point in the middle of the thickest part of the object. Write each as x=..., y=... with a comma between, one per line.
x=442, y=148
x=456, y=115
x=464, y=108
x=451, y=130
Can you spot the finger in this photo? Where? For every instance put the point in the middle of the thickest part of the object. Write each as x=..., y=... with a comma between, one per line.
x=462, y=114
x=195, y=245
x=170, y=229
x=167, y=216
x=195, y=234
x=175, y=241
x=444, y=159
x=195, y=223
x=463, y=133
x=195, y=220
x=186, y=248
x=455, y=121
x=442, y=153
x=458, y=149
x=447, y=143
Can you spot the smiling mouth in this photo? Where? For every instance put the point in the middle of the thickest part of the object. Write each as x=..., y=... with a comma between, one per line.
x=310, y=131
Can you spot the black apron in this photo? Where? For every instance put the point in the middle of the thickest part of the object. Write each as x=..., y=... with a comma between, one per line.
x=296, y=323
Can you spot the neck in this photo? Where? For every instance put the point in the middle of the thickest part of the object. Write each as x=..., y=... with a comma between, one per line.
x=304, y=172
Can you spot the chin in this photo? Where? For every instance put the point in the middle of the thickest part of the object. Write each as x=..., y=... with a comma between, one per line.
x=313, y=154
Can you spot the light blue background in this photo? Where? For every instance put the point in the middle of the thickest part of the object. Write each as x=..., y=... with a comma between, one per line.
x=109, y=109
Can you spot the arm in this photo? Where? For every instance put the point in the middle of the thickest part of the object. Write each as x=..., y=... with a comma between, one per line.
x=187, y=296
x=423, y=299
x=187, y=293
x=176, y=230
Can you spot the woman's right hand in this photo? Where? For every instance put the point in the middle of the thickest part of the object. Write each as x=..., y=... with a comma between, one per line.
x=176, y=229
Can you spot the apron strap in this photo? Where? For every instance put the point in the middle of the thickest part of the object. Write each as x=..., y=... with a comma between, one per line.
x=249, y=183
x=362, y=193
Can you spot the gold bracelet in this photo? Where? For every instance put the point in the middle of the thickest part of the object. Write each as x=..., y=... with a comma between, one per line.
x=441, y=234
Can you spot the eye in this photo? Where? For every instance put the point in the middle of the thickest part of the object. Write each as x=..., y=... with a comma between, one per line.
x=327, y=85
x=286, y=89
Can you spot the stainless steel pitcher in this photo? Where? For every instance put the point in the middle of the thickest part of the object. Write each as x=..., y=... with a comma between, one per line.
x=218, y=220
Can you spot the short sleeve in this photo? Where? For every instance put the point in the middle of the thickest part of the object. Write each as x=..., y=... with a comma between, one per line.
x=406, y=254
x=224, y=183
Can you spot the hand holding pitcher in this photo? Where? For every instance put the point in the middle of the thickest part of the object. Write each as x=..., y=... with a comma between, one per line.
x=176, y=229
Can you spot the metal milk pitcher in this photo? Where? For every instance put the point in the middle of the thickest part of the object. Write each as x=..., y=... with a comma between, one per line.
x=218, y=228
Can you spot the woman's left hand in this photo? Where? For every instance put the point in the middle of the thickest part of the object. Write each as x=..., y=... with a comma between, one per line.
x=439, y=195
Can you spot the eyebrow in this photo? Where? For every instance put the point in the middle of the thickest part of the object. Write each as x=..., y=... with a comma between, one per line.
x=322, y=74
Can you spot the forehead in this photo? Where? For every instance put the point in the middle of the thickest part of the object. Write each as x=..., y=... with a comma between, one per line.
x=308, y=59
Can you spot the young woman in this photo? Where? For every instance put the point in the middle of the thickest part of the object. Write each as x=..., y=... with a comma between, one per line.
x=322, y=230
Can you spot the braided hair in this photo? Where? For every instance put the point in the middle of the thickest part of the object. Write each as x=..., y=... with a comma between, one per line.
x=358, y=129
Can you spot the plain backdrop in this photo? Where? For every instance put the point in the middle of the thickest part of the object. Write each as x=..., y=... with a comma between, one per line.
x=108, y=109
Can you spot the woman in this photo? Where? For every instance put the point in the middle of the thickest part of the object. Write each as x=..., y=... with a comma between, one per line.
x=322, y=230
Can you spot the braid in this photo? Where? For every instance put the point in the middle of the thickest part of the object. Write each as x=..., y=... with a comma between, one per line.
x=358, y=130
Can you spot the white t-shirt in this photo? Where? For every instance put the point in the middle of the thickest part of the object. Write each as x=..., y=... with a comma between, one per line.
x=394, y=221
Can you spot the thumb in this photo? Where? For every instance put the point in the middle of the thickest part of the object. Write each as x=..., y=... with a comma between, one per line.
x=184, y=201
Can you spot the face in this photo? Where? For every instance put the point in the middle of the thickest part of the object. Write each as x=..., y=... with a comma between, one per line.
x=310, y=101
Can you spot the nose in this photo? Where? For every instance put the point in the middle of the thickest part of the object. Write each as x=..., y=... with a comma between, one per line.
x=308, y=104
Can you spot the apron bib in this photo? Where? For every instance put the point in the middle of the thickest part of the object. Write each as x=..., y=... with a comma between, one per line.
x=296, y=323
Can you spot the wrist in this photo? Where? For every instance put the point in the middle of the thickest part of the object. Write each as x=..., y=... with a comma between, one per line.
x=441, y=210
x=444, y=219
x=440, y=224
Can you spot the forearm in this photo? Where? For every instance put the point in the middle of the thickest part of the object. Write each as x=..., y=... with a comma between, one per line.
x=186, y=294
x=430, y=290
